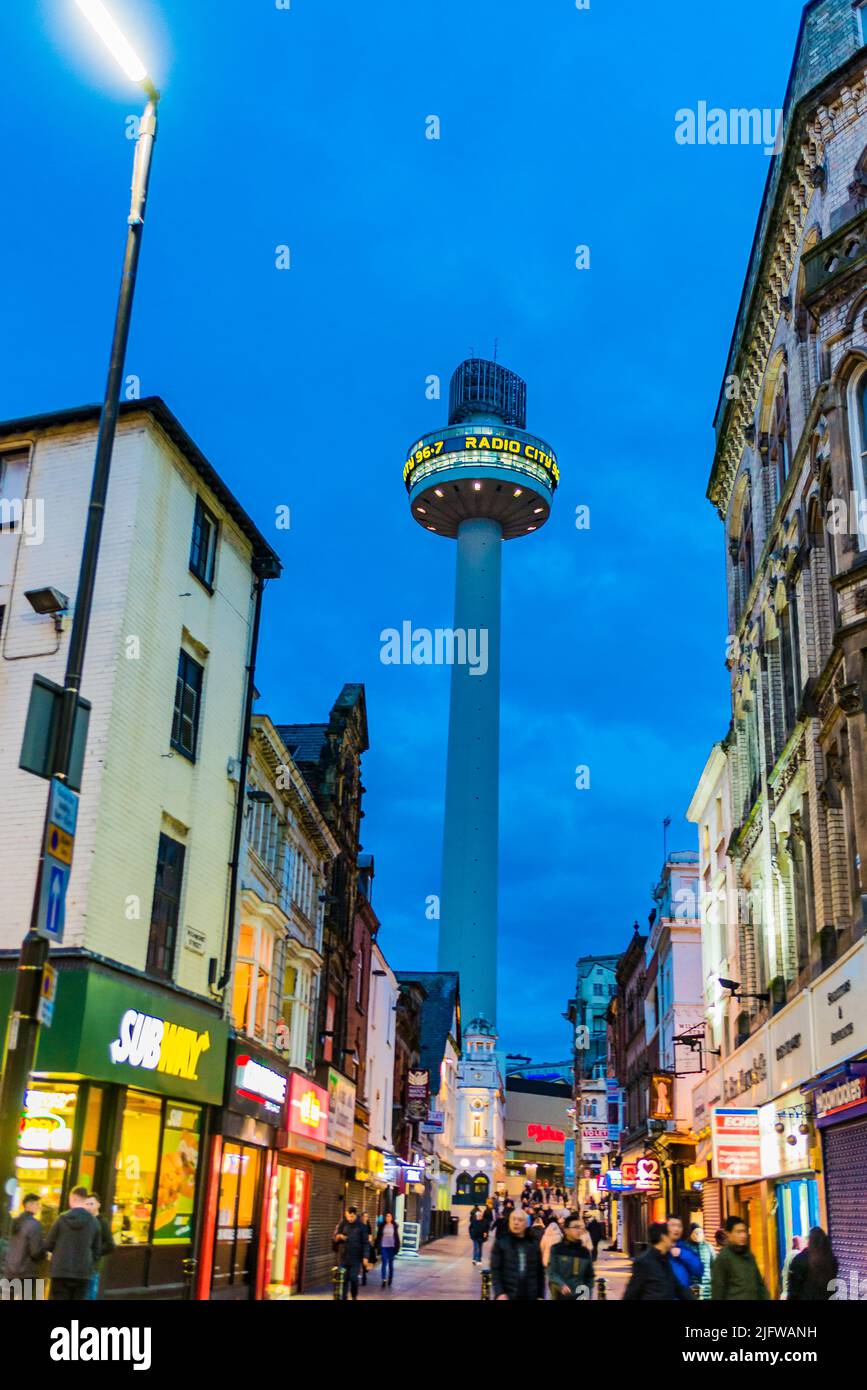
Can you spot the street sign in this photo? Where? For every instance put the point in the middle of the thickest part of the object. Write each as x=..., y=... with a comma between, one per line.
x=47, y=993
x=57, y=861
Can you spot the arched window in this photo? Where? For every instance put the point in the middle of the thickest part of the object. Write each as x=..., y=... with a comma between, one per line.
x=790, y=659
x=780, y=436
x=857, y=401
x=742, y=548
x=481, y=1187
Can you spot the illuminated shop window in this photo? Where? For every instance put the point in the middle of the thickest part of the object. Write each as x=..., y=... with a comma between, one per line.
x=136, y=1169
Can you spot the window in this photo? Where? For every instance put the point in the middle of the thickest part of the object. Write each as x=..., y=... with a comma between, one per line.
x=203, y=548
x=166, y=907
x=861, y=14
x=137, y=1169
x=188, y=703
x=15, y=508
x=779, y=437
x=742, y=550
x=790, y=660
x=252, y=988
x=858, y=445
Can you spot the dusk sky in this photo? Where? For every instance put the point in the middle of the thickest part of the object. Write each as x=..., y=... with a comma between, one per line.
x=304, y=386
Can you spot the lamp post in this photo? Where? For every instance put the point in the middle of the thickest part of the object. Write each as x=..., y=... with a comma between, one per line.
x=24, y=1025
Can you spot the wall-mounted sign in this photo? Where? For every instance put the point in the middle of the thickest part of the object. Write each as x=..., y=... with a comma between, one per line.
x=545, y=1134
x=414, y=1172
x=341, y=1111
x=47, y=1123
x=417, y=1093
x=737, y=1150
x=661, y=1106
x=569, y=1162
x=841, y=1097
x=154, y=1044
x=307, y=1116
x=195, y=940
x=435, y=1122
x=640, y=1175
x=258, y=1089
x=839, y=1016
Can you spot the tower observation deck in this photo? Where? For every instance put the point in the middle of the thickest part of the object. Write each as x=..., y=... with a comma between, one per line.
x=481, y=480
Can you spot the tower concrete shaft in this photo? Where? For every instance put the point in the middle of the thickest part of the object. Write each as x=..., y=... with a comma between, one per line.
x=468, y=906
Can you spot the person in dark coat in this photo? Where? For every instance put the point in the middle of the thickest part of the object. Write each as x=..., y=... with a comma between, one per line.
x=26, y=1247
x=570, y=1268
x=75, y=1245
x=813, y=1271
x=516, y=1263
x=478, y=1233
x=736, y=1277
x=501, y=1226
x=595, y=1231
x=351, y=1240
x=107, y=1242
x=653, y=1280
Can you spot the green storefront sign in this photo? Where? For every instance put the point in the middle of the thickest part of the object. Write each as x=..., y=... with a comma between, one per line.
x=108, y=1028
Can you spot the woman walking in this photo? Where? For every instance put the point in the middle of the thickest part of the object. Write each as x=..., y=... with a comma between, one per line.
x=387, y=1246
x=478, y=1233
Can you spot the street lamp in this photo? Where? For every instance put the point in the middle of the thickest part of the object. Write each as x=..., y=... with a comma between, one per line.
x=23, y=1032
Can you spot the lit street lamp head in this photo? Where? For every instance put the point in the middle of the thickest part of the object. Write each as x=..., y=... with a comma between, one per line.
x=117, y=43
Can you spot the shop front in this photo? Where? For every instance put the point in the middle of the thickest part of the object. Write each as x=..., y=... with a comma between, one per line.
x=841, y=1116
x=787, y=1140
x=121, y=1102
x=242, y=1167
x=331, y=1177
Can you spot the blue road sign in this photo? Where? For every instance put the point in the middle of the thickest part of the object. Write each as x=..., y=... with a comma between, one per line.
x=52, y=900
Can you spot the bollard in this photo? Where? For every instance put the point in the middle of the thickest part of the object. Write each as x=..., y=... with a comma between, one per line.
x=189, y=1268
x=487, y=1285
x=601, y=1290
x=338, y=1280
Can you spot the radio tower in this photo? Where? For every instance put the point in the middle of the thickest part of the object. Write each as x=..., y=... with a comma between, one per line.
x=480, y=481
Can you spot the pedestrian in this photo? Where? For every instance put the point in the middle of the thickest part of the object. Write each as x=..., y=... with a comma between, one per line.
x=516, y=1265
x=719, y=1240
x=26, y=1248
x=799, y=1243
x=570, y=1265
x=685, y=1259
x=705, y=1254
x=107, y=1244
x=653, y=1279
x=736, y=1277
x=370, y=1254
x=351, y=1242
x=813, y=1271
x=595, y=1231
x=387, y=1247
x=478, y=1233
x=75, y=1244
x=537, y=1229
x=553, y=1234
x=502, y=1223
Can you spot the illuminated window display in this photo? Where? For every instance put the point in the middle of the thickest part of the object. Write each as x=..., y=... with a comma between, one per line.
x=287, y=1215
x=234, y=1251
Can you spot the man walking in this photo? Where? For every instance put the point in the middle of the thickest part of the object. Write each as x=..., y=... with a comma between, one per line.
x=26, y=1246
x=570, y=1268
x=736, y=1277
x=75, y=1245
x=685, y=1259
x=351, y=1241
x=106, y=1244
x=653, y=1280
x=516, y=1265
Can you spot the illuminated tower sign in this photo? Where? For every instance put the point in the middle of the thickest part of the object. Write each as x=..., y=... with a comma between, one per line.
x=480, y=481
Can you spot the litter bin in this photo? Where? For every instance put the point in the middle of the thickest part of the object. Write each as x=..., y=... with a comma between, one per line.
x=453, y=1225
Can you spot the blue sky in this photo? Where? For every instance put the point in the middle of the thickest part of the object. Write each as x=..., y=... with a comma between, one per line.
x=306, y=127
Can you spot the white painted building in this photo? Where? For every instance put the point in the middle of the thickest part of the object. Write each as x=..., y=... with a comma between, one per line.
x=165, y=673
x=480, y=1139
x=379, y=1074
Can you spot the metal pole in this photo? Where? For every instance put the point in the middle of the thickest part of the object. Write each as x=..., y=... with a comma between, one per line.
x=23, y=1032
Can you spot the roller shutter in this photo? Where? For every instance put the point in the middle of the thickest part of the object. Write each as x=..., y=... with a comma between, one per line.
x=326, y=1209
x=711, y=1208
x=845, y=1166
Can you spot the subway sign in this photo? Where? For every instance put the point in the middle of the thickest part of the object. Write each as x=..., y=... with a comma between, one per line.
x=514, y=447
x=156, y=1045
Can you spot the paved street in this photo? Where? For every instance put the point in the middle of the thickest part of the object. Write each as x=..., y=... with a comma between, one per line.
x=444, y=1271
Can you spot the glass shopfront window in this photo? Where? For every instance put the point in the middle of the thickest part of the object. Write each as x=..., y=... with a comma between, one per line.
x=155, y=1185
x=45, y=1144
x=235, y=1249
x=287, y=1217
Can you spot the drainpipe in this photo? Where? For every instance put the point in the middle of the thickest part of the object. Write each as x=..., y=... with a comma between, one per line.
x=264, y=567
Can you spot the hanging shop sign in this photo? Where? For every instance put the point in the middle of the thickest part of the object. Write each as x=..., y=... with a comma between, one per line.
x=435, y=1122
x=307, y=1117
x=640, y=1175
x=594, y=1140
x=569, y=1162
x=737, y=1150
x=341, y=1112
x=661, y=1105
x=256, y=1086
x=417, y=1093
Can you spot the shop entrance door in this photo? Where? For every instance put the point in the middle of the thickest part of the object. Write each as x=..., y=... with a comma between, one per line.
x=234, y=1273
x=753, y=1213
x=287, y=1224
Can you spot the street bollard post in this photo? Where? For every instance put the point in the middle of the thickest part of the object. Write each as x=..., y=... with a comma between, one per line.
x=487, y=1286
x=601, y=1290
x=338, y=1279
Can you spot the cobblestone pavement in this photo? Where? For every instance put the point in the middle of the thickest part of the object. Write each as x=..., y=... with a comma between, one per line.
x=444, y=1272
